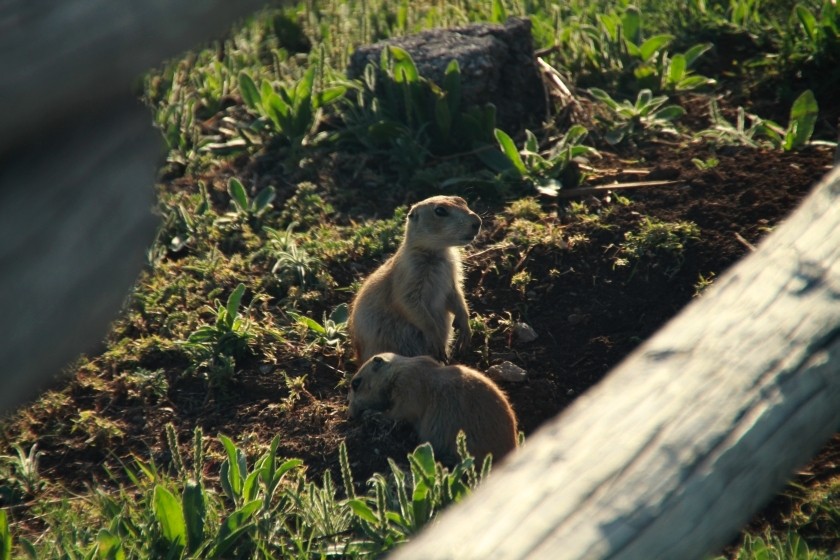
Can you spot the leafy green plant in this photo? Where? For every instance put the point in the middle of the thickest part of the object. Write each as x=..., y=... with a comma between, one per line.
x=790, y=547
x=797, y=134
x=212, y=82
x=821, y=32
x=184, y=222
x=520, y=281
x=387, y=518
x=743, y=14
x=215, y=348
x=296, y=387
x=409, y=117
x=611, y=48
x=647, y=113
x=250, y=208
x=331, y=332
x=267, y=510
x=704, y=282
x=292, y=263
x=547, y=171
x=5, y=537
x=764, y=132
x=745, y=131
x=658, y=243
x=150, y=386
x=176, y=123
x=651, y=64
x=704, y=164
x=170, y=516
x=21, y=478
x=288, y=111
x=306, y=208
x=675, y=71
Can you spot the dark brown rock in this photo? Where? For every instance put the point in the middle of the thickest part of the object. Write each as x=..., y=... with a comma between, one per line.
x=497, y=66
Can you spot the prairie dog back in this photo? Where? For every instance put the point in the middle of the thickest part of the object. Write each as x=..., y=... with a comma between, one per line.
x=437, y=401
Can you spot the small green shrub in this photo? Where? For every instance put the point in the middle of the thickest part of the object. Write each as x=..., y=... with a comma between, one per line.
x=214, y=349
x=797, y=134
x=547, y=172
x=293, y=264
x=6, y=542
x=789, y=547
x=764, y=132
x=250, y=208
x=660, y=245
x=818, y=37
x=287, y=111
x=646, y=114
x=410, y=118
x=331, y=332
x=610, y=48
x=20, y=477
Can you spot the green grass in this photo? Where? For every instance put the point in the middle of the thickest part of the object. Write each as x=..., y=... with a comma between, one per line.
x=237, y=278
x=265, y=509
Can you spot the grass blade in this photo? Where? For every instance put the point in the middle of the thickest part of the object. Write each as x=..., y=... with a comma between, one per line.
x=509, y=149
x=238, y=194
x=195, y=514
x=248, y=89
x=263, y=199
x=653, y=45
x=803, y=117
x=110, y=546
x=5, y=537
x=404, y=68
x=233, y=302
x=170, y=517
x=362, y=511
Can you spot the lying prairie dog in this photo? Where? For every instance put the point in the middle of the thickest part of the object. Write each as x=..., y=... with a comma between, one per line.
x=438, y=401
x=408, y=304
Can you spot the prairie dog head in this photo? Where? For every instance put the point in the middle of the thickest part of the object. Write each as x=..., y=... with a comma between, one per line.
x=384, y=383
x=440, y=222
x=370, y=388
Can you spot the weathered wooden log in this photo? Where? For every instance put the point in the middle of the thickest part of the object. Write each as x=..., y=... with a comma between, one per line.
x=74, y=230
x=671, y=454
x=78, y=157
x=64, y=58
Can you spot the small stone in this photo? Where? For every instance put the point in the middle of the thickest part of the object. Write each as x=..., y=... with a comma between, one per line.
x=524, y=332
x=576, y=318
x=507, y=371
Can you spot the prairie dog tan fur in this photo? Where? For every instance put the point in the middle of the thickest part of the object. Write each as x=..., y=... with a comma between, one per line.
x=438, y=401
x=407, y=305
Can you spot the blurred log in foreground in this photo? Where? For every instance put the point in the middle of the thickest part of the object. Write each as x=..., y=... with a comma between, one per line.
x=78, y=158
x=686, y=439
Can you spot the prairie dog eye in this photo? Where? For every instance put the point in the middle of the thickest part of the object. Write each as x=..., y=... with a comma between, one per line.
x=441, y=211
x=355, y=383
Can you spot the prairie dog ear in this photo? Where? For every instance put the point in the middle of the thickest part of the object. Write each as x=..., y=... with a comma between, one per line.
x=378, y=361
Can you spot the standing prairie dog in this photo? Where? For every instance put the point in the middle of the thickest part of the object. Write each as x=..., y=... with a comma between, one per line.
x=407, y=305
x=438, y=401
